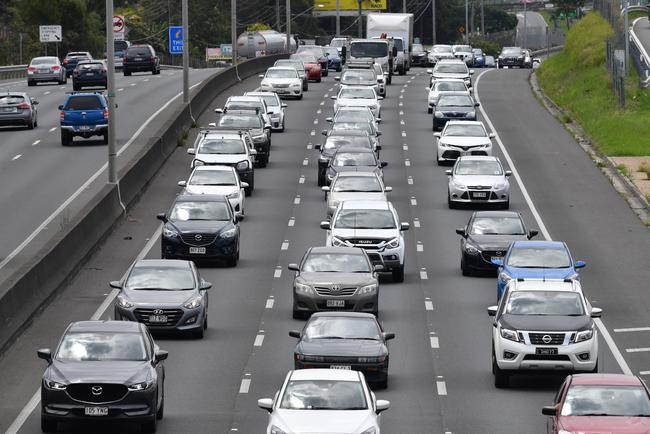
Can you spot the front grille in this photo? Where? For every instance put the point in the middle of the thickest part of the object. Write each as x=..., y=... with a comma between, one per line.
x=489, y=254
x=375, y=258
x=173, y=316
x=330, y=291
x=198, y=239
x=537, y=338
x=97, y=393
x=479, y=195
x=556, y=357
x=454, y=114
x=281, y=86
x=365, y=241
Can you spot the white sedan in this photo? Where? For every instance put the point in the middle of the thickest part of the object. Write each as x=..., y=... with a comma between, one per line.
x=439, y=87
x=462, y=138
x=478, y=180
x=219, y=180
x=324, y=400
x=358, y=96
x=282, y=80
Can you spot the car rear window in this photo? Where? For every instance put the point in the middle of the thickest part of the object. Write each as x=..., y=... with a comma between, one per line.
x=84, y=102
x=97, y=65
x=11, y=99
x=138, y=51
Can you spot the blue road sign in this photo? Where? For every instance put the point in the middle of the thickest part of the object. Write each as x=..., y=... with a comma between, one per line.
x=176, y=40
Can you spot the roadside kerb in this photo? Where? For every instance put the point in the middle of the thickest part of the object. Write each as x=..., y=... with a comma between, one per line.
x=33, y=277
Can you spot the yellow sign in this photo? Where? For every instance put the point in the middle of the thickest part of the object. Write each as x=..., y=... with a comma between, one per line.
x=349, y=5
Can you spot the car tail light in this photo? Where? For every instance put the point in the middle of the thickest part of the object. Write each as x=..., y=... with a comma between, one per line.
x=152, y=58
x=23, y=105
x=103, y=71
x=56, y=68
x=65, y=61
x=62, y=115
x=31, y=69
x=105, y=114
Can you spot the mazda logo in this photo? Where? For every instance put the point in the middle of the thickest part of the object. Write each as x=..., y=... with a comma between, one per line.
x=336, y=288
x=158, y=312
x=547, y=339
x=96, y=390
x=198, y=237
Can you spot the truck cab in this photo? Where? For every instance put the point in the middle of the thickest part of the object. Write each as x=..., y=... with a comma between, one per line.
x=381, y=51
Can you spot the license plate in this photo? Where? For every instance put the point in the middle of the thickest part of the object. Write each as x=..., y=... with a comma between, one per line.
x=96, y=411
x=157, y=319
x=137, y=59
x=546, y=351
x=341, y=367
x=281, y=91
x=89, y=74
x=9, y=110
x=479, y=194
x=84, y=128
x=335, y=303
x=197, y=250
x=496, y=257
x=44, y=71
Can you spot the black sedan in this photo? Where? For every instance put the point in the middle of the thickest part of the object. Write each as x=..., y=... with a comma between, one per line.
x=201, y=228
x=344, y=340
x=103, y=370
x=453, y=106
x=488, y=235
x=89, y=73
x=17, y=108
x=354, y=159
x=334, y=141
x=511, y=56
x=165, y=295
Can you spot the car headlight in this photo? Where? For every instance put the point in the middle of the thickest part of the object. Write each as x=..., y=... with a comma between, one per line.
x=301, y=287
x=229, y=233
x=380, y=359
x=511, y=335
x=499, y=185
x=170, y=233
x=368, y=289
x=564, y=432
x=394, y=243
x=336, y=242
x=457, y=183
x=276, y=430
x=370, y=431
x=470, y=114
x=233, y=195
x=470, y=249
x=123, y=302
x=193, y=302
x=296, y=85
x=243, y=165
x=141, y=386
x=584, y=335
x=198, y=163
x=438, y=114
x=573, y=276
x=55, y=385
x=505, y=277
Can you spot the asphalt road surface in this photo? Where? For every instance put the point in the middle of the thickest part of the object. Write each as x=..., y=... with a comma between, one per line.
x=439, y=379
x=536, y=35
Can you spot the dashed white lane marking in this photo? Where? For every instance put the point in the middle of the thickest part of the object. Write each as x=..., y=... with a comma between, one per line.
x=47, y=92
x=133, y=84
x=401, y=104
x=319, y=111
x=428, y=304
x=637, y=350
x=312, y=133
x=434, y=342
x=16, y=157
x=407, y=162
x=416, y=223
x=322, y=103
x=315, y=121
x=401, y=112
x=245, y=385
x=269, y=303
x=309, y=146
x=146, y=79
x=401, y=91
x=402, y=122
x=52, y=129
x=442, y=388
x=632, y=329
x=285, y=245
x=305, y=162
x=419, y=246
x=410, y=180
x=296, y=200
x=302, y=179
x=330, y=89
x=61, y=87
x=414, y=201
x=292, y=222
x=36, y=142
x=644, y=372
x=403, y=133
x=326, y=95
x=120, y=89
x=405, y=147
x=401, y=96
x=278, y=272
x=259, y=340
x=423, y=274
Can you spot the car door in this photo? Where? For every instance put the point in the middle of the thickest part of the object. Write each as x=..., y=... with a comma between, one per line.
x=159, y=367
x=252, y=153
x=551, y=421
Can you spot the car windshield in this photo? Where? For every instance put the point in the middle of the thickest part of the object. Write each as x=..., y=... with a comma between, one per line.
x=358, y=76
x=11, y=99
x=101, y=347
x=45, y=61
x=497, y=226
x=282, y=73
x=120, y=45
x=245, y=105
x=606, y=400
x=91, y=65
x=240, y=121
x=369, y=49
x=539, y=257
x=341, y=327
x=455, y=101
x=337, y=43
x=221, y=146
x=511, y=52
x=356, y=93
x=462, y=48
x=451, y=68
x=335, y=263
x=418, y=48
x=562, y=303
x=344, y=115
x=270, y=100
x=368, y=184
x=450, y=86
x=138, y=51
x=354, y=159
x=149, y=277
x=334, y=142
x=83, y=102
x=203, y=210
x=323, y=395
x=314, y=51
x=363, y=126
x=478, y=167
x=442, y=49
x=365, y=219
x=477, y=51
x=464, y=130
x=306, y=58
x=213, y=177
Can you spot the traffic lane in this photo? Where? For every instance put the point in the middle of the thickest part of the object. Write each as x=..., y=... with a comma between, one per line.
x=459, y=317
x=536, y=34
x=66, y=169
x=578, y=205
x=411, y=385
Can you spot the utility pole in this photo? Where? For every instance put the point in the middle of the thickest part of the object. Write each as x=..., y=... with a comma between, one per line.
x=360, y=20
x=466, y=21
x=233, y=30
x=627, y=36
x=277, y=15
x=288, y=26
x=403, y=6
x=482, y=18
x=433, y=21
x=110, y=92
x=338, y=17
x=20, y=50
x=186, y=54
x=525, y=24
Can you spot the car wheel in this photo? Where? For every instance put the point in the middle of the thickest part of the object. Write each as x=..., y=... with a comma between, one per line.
x=205, y=322
x=151, y=426
x=438, y=161
x=30, y=83
x=75, y=88
x=321, y=179
x=383, y=383
x=48, y=425
x=66, y=139
x=339, y=68
x=326, y=72
x=106, y=138
x=198, y=334
x=127, y=73
x=299, y=97
x=450, y=202
x=319, y=79
x=595, y=370
x=282, y=128
x=232, y=262
x=464, y=268
x=265, y=161
x=429, y=110
x=31, y=124
x=501, y=379
x=398, y=274
x=161, y=411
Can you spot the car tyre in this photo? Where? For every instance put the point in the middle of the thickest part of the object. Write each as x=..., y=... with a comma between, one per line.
x=48, y=425
x=30, y=83
x=325, y=73
x=106, y=138
x=31, y=124
x=398, y=274
x=151, y=426
x=595, y=370
x=66, y=138
x=383, y=383
x=450, y=202
x=161, y=411
x=501, y=378
x=232, y=262
x=127, y=73
x=319, y=79
x=429, y=110
x=339, y=68
x=506, y=204
x=198, y=334
x=463, y=267
x=299, y=97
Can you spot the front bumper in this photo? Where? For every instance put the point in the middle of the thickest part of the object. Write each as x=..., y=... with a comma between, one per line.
x=372, y=371
x=439, y=122
x=481, y=262
x=316, y=303
x=283, y=92
x=180, y=319
x=566, y=360
x=475, y=196
x=511, y=62
x=220, y=249
x=451, y=153
x=85, y=130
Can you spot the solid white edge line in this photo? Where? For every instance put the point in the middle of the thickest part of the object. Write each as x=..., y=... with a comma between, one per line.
x=632, y=329
x=245, y=385
x=85, y=185
x=542, y=227
x=442, y=388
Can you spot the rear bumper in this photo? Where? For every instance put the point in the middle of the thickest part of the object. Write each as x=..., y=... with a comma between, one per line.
x=135, y=67
x=316, y=303
x=97, y=130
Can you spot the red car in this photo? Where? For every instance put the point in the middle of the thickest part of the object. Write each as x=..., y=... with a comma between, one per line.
x=600, y=403
x=312, y=67
x=319, y=53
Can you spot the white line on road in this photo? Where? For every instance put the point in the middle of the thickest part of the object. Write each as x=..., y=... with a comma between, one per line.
x=133, y=84
x=407, y=162
x=423, y=274
x=637, y=350
x=296, y=200
x=319, y=111
x=401, y=96
x=292, y=222
x=305, y=162
x=269, y=303
x=309, y=146
x=405, y=147
x=322, y=103
x=401, y=104
x=36, y=142
x=442, y=388
x=409, y=180
x=278, y=272
x=401, y=113
x=315, y=121
x=419, y=246
x=632, y=329
x=120, y=89
x=301, y=180
x=434, y=342
x=403, y=133
x=644, y=372
x=428, y=305
x=259, y=340
x=312, y=133
x=245, y=385
x=52, y=129
x=416, y=223
x=414, y=201
x=16, y=157
x=285, y=245
x=47, y=92
x=146, y=79
x=402, y=122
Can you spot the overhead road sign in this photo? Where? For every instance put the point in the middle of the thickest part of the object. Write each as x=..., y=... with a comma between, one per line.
x=349, y=5
x=50, y=33
x=176, y=40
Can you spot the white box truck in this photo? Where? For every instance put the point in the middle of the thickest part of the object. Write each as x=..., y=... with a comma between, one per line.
x=398, y=27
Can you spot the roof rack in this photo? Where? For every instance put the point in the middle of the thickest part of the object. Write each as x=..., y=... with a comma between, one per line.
x=210, y=129
x=98, y=92
x=242, y=109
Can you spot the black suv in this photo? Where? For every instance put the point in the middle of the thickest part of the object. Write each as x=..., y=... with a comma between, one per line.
x=138, y=58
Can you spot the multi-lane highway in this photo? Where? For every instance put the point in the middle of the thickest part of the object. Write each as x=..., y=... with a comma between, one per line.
x=439, y=378
x=37, y=174
x=535, y=37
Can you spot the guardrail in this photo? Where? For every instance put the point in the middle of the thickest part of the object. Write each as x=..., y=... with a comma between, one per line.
x=13, y=71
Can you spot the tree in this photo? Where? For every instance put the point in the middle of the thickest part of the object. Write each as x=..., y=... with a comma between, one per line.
x=567, y=6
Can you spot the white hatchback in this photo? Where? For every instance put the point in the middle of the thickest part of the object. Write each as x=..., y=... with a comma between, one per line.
x=358, y=96
x=217, y=180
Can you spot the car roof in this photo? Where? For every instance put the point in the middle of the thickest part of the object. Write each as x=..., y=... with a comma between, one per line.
x=339, y=314
x=606, y=379
x=478, y=158
x=343, y=133
x=262, y=93
x=355, y=108
x=214, y=168
x=443, y=61
x=465, y=123
x=282, y=68
x=368, y=174
x=559, y=245
x=453, y=80
x=325, y=374
x=341, y=250
x=490, y=213
x=75, y=94
x=366, y=204
x=454, y=93
x=105, y=326
x=251, y=98
x=13, y=94
x=46, y=57
x=356, y=87
x=358, y=149
x=200, y=198
x=170, y=263
x=545, y=285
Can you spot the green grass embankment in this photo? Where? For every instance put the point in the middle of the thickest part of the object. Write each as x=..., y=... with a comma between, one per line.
x=578, y=81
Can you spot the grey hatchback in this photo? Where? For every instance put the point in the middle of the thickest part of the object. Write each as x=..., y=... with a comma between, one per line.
x=17, y=108
x=47, y=68
x=164, y=294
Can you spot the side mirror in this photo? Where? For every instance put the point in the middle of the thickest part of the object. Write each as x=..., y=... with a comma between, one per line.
x=294, y=334
x=492, y=310
x=284, y=105
x=471, y=72
x=293, y=267
x=492, y=135
x=212, y=124
x=378, y=133
x=162, y=217
x=379, y=98
x=182, y=183
x=160, y=356
x=382, y=405
x=437, y=134
x=388, y=189
x=383, y=163
x=461, y=231
x=508, y=172
x=333, y=97
x=325, y=188
x=549, y=410
x=261, y=76
x=329, y=119
x=116, y=284
x=337, y=78
x=388, y=336
x=325, y=225
x=580, y=264
x=191, y=151
x=205, y=285
x=377, y=147
x=218, y=110
x=239, y=217
x=378, y=120
x=317, y=146
x=61, y=107
x=596, y=312
x=265, y=404
x=532, y=233
x=477, y=104
x=35, y=102
x=324, y=132
x=429, y=71
x=378, y=267
x=448, y=172
x=253, y=151
x=45, y=354
x=497, y=261
x=245, y=185
x=404, y=226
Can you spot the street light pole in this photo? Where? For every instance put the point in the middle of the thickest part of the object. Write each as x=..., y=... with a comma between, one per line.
x=466, y=21
x=525, y=24
x=360, y=20
x=433, y=21
x=338, y=17
x=403, y=6
x=186, y=54
x=627, y=35
x=482, y=18
x=288, y=26
x=110, y=92
x=277, y=15
x=233, y=31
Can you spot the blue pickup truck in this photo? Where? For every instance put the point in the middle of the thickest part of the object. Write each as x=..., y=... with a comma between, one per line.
x=84, y=114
